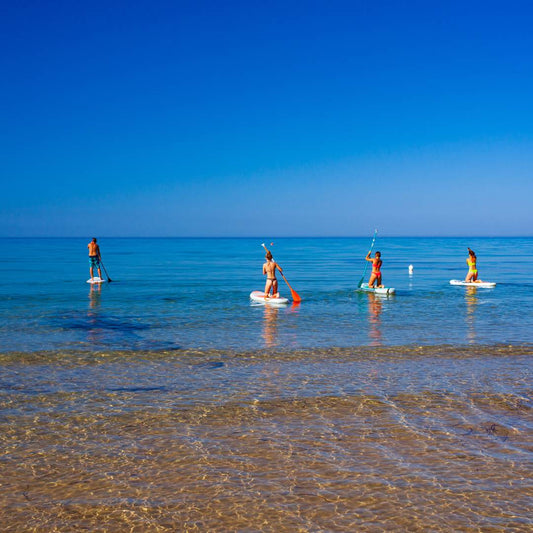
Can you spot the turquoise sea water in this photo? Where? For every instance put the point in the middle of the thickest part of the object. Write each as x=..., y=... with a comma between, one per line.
x=166, y=401
x=183, y=293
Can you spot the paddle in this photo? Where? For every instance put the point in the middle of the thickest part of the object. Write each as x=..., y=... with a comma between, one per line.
x=295, y=297
x=109, y=280
x=366, y=262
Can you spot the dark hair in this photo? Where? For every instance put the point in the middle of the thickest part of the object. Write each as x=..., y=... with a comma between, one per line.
x=378, y=253
x=471, y=252
x=268, y=255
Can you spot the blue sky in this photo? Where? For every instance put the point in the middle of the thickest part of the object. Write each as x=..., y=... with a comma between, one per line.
x=266, y=118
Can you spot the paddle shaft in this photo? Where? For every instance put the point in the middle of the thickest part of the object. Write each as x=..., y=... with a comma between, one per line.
x=295, y=295
x=109, y=280
x=366, y=262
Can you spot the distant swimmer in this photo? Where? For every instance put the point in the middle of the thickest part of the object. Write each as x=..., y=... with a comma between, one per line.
x=94, y=258
x=471, y=261
x=269, y=270
x=375, y=276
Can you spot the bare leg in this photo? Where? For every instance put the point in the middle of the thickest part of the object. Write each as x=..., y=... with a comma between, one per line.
x=372, y=280
x=268, y=286
x=91, y=272
x=275, y=292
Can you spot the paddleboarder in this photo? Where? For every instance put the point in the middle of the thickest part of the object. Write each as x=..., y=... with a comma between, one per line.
x=94, y=258
x=269, y=270
x=471, y=260
x=375, y=276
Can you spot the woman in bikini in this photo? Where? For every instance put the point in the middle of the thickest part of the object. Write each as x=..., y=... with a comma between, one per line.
x=269, y=270
x=375, y=276
x=471, y=261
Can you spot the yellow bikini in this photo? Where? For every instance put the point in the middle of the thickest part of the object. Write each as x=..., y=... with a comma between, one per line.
x=471, y=266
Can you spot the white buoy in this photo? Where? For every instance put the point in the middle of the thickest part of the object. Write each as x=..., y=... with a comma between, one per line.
x=411, y=269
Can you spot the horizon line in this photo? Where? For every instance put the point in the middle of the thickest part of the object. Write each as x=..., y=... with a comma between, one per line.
x=263, y=237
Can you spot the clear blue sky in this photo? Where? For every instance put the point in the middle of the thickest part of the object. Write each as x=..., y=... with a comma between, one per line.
x=195, y=118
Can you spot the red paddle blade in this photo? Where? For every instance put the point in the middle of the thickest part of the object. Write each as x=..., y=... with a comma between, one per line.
x=295, y=297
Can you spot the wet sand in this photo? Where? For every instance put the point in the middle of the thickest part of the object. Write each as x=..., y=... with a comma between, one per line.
x=402, y=439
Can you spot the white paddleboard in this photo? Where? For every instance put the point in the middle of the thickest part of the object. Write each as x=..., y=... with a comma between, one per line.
x=96, y=280
x=482, y=284
x=259, y=296
x=378, y=290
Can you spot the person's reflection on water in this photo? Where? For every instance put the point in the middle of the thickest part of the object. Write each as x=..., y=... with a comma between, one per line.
x=94, y=333
x=94, y=296
x=270, y=328
x=471, y=304
x=375, y=307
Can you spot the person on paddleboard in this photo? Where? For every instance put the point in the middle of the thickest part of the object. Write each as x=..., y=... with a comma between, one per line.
x=269, y=270
x=375, y=275
x=471, y=261
x=94, y=258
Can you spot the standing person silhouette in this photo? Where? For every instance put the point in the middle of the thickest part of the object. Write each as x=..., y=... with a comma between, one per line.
x=94, y=258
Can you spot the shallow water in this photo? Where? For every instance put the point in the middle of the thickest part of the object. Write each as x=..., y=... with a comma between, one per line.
x=161, y=402
x=402, y=438
x=194, y=293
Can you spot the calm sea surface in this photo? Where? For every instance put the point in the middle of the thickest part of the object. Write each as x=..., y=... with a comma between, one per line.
x=166, y=401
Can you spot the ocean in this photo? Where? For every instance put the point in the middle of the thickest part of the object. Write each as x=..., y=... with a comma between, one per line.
x=165, y=400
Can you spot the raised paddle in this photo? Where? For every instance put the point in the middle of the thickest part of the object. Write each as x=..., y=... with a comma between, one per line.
x=366, y=262
x=295, y=297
